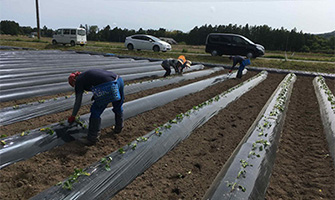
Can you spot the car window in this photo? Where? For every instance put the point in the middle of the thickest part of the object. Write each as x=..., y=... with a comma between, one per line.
x=238, y=40
x=59, y=32
x=138, y=37
x=225, y=38
x=214, y=39
x=66, y=31
x=73, y=31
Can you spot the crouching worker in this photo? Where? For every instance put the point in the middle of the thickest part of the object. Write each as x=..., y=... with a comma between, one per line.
x=243, y=62
x=168, y=63
x=177, y=64
x=106, y=87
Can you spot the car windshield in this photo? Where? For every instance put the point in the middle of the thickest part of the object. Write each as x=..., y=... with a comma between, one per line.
x=154, y=38
x=249, y=41
x=81, y=32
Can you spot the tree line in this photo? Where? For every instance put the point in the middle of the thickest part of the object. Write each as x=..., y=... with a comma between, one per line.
x=272, y=39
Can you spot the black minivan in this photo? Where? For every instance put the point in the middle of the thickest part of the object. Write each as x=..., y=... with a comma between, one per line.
x=219, y=44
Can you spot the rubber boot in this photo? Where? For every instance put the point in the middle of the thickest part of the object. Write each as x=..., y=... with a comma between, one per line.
x=118, y=123
x=93, y=132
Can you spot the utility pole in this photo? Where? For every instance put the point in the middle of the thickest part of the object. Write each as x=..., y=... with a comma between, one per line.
x=38, y=21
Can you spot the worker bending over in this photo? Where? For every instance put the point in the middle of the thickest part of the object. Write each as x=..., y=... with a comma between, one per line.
x=177, y=64
x=106, y=87
x=243, y=62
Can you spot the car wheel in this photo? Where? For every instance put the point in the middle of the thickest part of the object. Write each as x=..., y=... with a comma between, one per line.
x=54, y=42
x=156, y=48
x=72, y=43
x=130, y=47
x=82, y=45
x=214, y=53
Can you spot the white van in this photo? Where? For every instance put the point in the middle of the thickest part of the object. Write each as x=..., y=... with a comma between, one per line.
x=71, y=36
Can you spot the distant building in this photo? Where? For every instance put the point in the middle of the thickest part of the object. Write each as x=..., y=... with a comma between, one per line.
x=169, y=40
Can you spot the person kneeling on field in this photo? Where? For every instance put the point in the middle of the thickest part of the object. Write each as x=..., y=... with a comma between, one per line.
x=106, y=87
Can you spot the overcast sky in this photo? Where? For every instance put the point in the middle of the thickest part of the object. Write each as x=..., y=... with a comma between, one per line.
x=309, y=16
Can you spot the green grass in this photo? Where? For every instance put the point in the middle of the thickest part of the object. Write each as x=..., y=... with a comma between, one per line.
x=193, y=53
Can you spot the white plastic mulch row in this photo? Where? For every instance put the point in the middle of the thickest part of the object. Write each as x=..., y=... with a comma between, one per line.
x=326, y=101
x=247, y=172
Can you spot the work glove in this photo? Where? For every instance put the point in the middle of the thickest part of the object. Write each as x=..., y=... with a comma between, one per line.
x=71, y=119
x=230, y=71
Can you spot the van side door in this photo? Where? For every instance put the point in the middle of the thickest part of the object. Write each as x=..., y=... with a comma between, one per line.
x=66, y=36
x=225, y=44
x=58, y=35
x=73, y=35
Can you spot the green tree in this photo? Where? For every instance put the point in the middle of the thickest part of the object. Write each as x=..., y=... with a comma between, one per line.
x=10, y=27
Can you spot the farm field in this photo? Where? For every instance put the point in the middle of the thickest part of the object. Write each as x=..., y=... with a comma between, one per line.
x=303, y=168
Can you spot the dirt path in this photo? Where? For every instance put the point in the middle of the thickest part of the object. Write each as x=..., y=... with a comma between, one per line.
x=303, y=167
x=27, y=178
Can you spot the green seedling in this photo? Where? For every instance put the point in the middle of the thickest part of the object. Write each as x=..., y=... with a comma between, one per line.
x=47, y=130
x=41, y=101
x=3, y=142
x=122, y=151
x=233, y=186
x=3, y=136
x=25, y=133
x=106, y=161
x=16, y=107
x=134, y=146
x=241, y=173
x=245, y=163
x=73, y=178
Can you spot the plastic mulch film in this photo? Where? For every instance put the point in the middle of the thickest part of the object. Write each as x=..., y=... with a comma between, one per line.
x=104, y=179
x=141, y=65
x=27, y=111
x=49, y=89
x=247, y=172
x=29, y=143
x=326, y=101
x=285, y=71
x=28, y=81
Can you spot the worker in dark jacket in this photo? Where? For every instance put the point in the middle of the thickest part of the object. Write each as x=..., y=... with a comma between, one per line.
x=177, y=64
x=106, y=87
x=168, y=63
x=243, y=62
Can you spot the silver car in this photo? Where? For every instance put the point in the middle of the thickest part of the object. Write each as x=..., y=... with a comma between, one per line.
x=146, y=42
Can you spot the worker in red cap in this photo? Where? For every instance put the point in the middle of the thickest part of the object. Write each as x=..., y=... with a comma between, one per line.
x=106, y=87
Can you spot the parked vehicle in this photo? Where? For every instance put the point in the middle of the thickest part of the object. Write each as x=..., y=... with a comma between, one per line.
x=71, y=36
x=146, y=42
x=218, y=44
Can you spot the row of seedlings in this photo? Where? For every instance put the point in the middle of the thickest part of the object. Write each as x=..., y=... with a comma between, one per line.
x=246, y=174
x=326, y=101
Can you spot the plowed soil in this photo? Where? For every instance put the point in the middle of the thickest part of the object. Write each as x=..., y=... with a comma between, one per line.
x=198, y=159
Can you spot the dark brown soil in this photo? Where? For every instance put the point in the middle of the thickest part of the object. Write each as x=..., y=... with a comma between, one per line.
x=203, y=153
x=303, y=167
